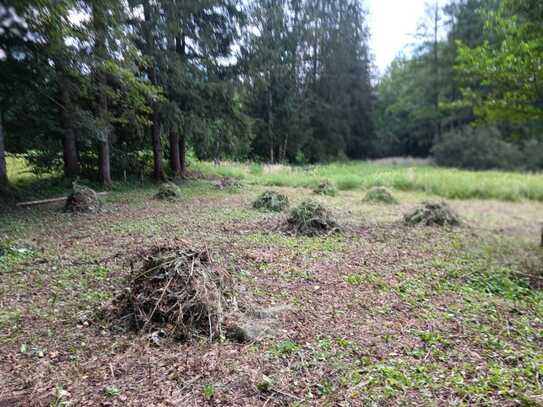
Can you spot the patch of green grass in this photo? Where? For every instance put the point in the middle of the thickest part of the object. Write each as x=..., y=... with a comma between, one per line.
x=361, y=175
x=285, y=348
x=208, y=391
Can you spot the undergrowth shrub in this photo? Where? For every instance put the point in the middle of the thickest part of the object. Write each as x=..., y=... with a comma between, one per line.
x=477, y=149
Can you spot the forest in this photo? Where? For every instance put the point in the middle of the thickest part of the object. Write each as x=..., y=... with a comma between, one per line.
x=105, y=89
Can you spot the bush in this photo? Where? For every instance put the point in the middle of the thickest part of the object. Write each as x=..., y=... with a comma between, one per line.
x=476, y=149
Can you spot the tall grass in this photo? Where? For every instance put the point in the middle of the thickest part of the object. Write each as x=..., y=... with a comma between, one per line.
x=359, y=175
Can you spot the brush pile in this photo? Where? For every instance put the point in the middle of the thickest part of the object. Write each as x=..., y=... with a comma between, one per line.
x=311, y=219
x=432, y=214
x=271, y=201
x=380, y=195
x=325, y=188
x=82, y=200
x=175, y=292
x=168, y=191
x=228, y=183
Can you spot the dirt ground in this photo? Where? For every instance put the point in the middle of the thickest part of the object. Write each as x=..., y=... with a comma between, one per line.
x=383, y=313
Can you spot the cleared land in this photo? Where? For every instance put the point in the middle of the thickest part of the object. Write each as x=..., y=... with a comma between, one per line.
x=384, y=314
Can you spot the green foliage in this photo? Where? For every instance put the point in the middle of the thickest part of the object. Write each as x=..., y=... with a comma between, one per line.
x=478, y=149
x=111, y=391
x=286, y=347
x=208, y=391
x=307, y=86
x=506, y=65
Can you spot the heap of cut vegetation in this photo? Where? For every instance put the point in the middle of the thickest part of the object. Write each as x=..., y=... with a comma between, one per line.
x=326, y=188
x=380, y=195
x=432, y=214
x=271, y=201
x=228, y=183
x=168, y=191
x=175, y=291
x=311, y=219
x=82, y=200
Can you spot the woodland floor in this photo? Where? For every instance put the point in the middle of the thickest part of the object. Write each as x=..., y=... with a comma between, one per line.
x=385, y=314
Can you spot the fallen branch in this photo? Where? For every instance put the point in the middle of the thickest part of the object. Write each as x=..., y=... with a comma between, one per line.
x=51, y=200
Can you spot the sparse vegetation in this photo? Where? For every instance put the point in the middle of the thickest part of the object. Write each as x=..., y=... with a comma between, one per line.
x=479, y=285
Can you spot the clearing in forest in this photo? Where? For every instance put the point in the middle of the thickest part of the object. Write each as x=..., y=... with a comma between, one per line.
x=383, y=313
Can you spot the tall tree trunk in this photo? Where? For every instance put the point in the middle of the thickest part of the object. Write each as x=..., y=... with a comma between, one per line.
x=104, y=163
x=69, y=145
x=158, y=172
x=100, y=55
x=175, y=157
x=3, y=165
x=270, y=125
x=72, y=167
x=182, y=154
x=436, y=69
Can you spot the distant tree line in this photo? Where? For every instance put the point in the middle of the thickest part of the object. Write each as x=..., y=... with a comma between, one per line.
x=472, y=92
x=103, y=88
x=99, y=88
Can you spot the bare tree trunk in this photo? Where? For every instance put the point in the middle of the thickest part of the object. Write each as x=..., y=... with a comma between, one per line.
x=175, y=158
x=284, y=151
x=182, y=154
x=100, y=51
x=158, y=172
x=104, y=162
x=270, y=125
x=436, y=68
x=3, y=165
x=69, y=146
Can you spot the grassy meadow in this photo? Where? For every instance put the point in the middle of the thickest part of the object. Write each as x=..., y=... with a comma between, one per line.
x=383, y=314
x=354, y=175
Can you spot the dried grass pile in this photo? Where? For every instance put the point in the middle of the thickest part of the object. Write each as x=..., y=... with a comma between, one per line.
x=380, y=195
x=311, y=219
x=326, y=188
x=432, y=214
x=271, y=201
x=82, y=200
x=168, y=191
x=176, y=292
